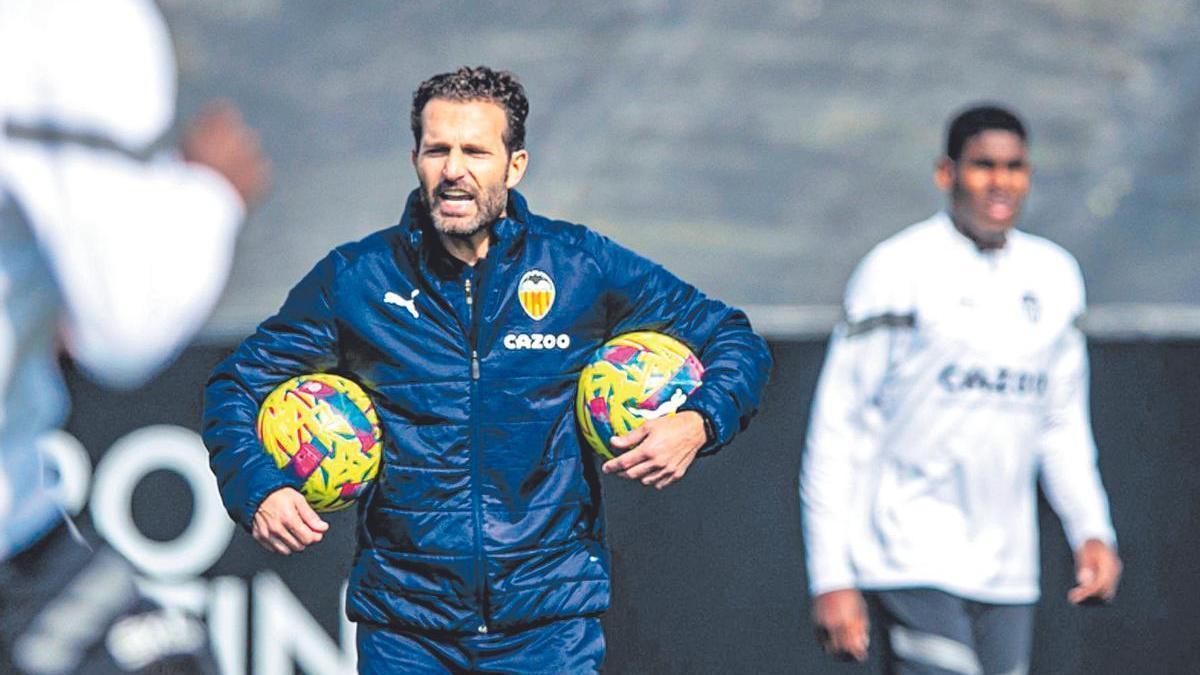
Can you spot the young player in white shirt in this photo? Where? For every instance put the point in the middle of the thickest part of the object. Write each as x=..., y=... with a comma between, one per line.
x=956, y=379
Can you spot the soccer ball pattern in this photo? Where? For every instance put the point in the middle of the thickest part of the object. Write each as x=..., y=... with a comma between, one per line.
x=632, y=378
x=322, y=428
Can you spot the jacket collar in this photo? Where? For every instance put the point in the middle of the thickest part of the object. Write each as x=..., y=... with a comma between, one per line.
x=507, y=234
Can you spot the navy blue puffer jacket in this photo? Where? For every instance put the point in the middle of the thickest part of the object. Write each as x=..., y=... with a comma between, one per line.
x=486, y=514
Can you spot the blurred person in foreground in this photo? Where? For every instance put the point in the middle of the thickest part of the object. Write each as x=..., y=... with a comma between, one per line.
x=481, y=543
x=956, y=378
x=116, y=251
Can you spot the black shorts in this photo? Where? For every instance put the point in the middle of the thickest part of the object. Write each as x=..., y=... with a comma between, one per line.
x=930, y=632
x=68, y=608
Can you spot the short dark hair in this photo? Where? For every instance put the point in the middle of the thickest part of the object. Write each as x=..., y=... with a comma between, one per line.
x=477, y=84
x=977, y=119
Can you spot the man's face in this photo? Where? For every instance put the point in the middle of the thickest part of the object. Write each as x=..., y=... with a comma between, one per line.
x=462, y=164
x=987, y=185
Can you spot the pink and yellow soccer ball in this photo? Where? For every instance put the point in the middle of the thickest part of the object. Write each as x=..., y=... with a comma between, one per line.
x=632, y=378
x=323, y=429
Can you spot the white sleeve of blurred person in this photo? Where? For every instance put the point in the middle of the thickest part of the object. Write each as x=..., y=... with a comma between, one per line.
x=842, y=442
x=140, y=239
x=843, y=432
x=1067, y=450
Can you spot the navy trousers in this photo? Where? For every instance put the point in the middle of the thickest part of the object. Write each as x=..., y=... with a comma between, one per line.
x=571, y=646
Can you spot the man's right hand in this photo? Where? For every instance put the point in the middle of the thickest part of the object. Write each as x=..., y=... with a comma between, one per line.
x=286, y=524
x=842, y=627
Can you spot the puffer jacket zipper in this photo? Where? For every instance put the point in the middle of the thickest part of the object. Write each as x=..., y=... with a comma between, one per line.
x=476, y=451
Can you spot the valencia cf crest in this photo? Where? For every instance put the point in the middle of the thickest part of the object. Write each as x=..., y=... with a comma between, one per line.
x=536, y=292
x=1033, y=308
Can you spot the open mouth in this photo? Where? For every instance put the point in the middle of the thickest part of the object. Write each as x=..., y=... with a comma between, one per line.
x=454, y=195
x=454, y=201
x=999, y=208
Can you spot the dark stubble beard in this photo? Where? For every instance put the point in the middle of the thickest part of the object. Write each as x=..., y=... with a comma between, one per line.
x=492, y=201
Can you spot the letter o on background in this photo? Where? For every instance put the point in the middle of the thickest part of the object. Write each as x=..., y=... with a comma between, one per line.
x=127, y=462
x=74, y=467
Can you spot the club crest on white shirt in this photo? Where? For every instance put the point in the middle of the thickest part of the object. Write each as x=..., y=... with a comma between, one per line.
x=1033, y=309
x=536, y=293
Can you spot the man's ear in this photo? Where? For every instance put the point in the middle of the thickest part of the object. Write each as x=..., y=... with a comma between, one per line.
x=943, y=174
x=517, y=163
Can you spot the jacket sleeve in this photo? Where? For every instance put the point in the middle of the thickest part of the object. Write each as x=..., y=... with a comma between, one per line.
x=300, y=339
x=843, y=431
x=140, y=242
x=645, y=296
x=1070, y=476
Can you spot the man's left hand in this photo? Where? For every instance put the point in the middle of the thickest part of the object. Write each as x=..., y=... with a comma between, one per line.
x=660, y=451
x=1097, y=572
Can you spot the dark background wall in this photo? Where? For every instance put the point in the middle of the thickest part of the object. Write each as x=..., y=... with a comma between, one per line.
x=709, y=573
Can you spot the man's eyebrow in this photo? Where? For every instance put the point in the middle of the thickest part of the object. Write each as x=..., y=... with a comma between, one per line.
x=989, y=163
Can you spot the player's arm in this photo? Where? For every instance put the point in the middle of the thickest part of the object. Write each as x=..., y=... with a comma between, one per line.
x=145, y=266
x=301, y=338
x=139, y=241
x=1069, y=473
x=645, y=296
x=841, y=441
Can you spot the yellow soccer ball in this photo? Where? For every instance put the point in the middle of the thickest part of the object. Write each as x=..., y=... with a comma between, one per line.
x=324, y=429
x=632, y=378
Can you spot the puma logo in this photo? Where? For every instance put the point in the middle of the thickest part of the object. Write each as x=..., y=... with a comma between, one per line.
x=409, y=304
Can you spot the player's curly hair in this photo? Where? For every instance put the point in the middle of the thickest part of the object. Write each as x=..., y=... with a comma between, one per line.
x=477, y=84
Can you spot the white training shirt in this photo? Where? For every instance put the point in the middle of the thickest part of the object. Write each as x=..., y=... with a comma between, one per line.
x=107, y=244
x=957, y=376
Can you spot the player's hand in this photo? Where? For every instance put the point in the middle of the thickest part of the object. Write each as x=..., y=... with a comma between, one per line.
x=1097, y=573
x=286, y=524
x=842, y=626
x=220, y=140
x=660, y=451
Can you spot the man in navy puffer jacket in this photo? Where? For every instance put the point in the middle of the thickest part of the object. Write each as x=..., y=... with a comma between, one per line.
x=481, y=545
